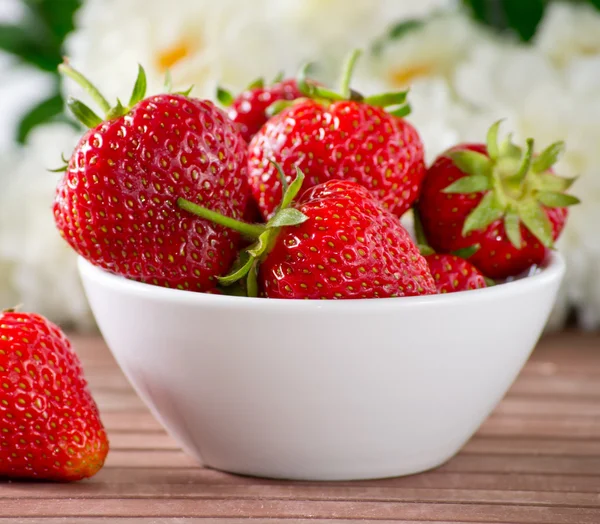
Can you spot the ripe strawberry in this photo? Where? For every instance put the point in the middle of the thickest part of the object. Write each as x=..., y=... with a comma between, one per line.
x=500, y=198
x=338, y=242
x=249, y=109
x=50, y=427
x=115, y=204
x=452, y=273
x=332, y=136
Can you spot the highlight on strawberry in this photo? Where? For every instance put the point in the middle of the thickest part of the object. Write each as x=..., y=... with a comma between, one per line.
x=116, y=202
x=51, y=428
x=336, y=242
x=339, y=135
x=504, y=199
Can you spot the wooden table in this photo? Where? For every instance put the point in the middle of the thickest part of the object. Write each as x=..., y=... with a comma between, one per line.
x=536, y=460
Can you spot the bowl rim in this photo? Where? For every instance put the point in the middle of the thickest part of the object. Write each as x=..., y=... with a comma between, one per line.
x=550, y=272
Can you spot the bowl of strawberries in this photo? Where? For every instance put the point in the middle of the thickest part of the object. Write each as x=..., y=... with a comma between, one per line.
x=251, y=271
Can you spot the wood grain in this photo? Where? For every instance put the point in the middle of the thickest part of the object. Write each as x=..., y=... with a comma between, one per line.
x=535, y=460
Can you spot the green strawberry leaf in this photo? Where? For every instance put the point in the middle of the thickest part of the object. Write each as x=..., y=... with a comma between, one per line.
x=425, y=250
x=287, y=217
x=551, y=182
x=293, y=188
x=469, y=184
x=536, y=221
x=259, y=82
x=508, y=149
x=261, y=245
x=83, y=113
x=224, y=96
x=466, y=252
x=387, y=99
x=521, y=173
x=552, y=199
x=472, y=162
x=252, y=281
x=139, y=89
x=493, y=150
x=548, y=157
x=278, y=78
x=488, y=210
x=512, y=227
x=239, y=270
x=400, y=112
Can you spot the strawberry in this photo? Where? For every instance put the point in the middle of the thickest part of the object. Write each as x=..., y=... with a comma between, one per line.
x=452, y=273
x=500, y=198
x=344, y=136
x=50, y=427
x=115, y=204
x=249, y=109
x=337, y=242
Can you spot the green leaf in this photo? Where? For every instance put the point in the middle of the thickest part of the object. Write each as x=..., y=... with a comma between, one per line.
x=489, y=282
x=387, y=99
x=224, y=96
x=405, y=27
x=168, y=86
x=509, y=149
x=277, y=107
x=536, y=221
x=552, y=182
x=512, y=227
x=548, y=157
x=43, y=112
x=472, y=162
x=293, y=189
x=186, y=92
x=287, y=217
x=425, y=250
x=257, y=249
x=252, y=281
x=306, y=88
x=139, y=89
x=421, y=238
x=117, y=111
x=523, y=17
x=239, y=271
x=493, y=150
x=278, y=77
x=282, y=178
x=552, y=199
x=469, y=184
x=488, y=210
x=523, y=170
x=400, y=112
x=28, y=44
x=83, y=113
x=259, y=82
x=466, y=252
x=57, y=17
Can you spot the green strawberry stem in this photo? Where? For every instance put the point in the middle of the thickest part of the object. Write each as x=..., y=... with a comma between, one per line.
x=66, y=69
x=249, y=230
x=264, y=234
x=84, y=114
x=393, y=103
x=347, y=73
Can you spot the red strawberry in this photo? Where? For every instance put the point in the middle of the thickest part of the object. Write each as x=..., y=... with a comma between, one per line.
x=50, y=427
x=452, y=273
x=335, y=136
x=500, y=198
x=116, y=202
x=249, y=109
x=338, y=242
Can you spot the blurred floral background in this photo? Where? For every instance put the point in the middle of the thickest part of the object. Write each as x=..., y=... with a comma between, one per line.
x=535, y=63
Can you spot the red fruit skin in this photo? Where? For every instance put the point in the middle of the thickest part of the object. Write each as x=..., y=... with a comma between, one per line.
x=346, y=140
x=452, y=273
x=249, y=109
x=50, y=427
x=350, y=247
x=116, y=204
x=443, y=216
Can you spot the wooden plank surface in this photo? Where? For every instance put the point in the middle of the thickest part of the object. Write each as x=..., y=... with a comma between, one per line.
x=535, y=460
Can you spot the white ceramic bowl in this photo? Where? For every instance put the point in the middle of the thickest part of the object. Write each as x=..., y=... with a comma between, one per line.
x=321, y=390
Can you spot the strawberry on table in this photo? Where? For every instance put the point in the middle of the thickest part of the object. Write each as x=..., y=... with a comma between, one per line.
x=49, y=424
x=249, y=109
x=342, y=135
x=504, y=199
x=116, y=203
x=337, y=242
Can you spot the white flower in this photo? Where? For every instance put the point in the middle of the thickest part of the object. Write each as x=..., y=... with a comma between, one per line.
x=37, y=268
x=568, y=31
